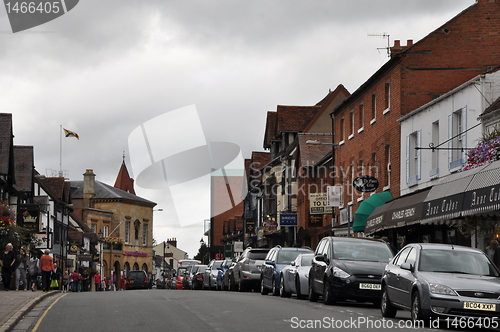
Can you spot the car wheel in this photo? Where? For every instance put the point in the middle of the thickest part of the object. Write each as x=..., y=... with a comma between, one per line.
x=386, y=307
x=297, y=287
x=313, y=297
x=263, y=289
x=231, y=283
x=275, y=290
x=241, y=287
x=416, y=308
x=283, y=292
x=327, y=293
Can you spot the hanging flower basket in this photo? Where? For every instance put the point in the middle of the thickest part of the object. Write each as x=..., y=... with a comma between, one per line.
x=113, y=240
x=486, y=151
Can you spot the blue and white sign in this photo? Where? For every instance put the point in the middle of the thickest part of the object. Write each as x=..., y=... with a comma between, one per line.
x=289, y=219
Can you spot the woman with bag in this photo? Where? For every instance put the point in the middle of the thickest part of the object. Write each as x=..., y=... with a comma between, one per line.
x=33, y=269
x=55, y=277
x=47, y=266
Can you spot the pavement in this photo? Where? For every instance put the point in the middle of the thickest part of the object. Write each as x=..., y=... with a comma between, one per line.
x=14, y=305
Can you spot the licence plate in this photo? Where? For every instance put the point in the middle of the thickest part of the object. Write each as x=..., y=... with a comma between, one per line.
x=370, y=286
x=131, y=282
x=480, y=306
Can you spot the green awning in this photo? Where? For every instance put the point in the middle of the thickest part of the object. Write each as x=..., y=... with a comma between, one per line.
x=366, y=208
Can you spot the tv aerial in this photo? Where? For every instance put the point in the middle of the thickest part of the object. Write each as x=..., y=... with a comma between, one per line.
x=383, y=35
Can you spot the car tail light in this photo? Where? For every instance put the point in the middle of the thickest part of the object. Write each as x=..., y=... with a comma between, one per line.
x=145, y=280
x=199, y=277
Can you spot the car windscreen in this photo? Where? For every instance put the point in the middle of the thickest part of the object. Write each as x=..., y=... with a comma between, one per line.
x=367, y=251
x=306, y=260
x=287, y=256
x=456, y=261
x=217, y=264
x=257, y=255
x=136, y=275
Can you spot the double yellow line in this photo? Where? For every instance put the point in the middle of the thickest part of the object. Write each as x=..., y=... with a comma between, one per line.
x=46, y=311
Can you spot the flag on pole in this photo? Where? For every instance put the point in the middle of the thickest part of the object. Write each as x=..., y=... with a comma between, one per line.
x=69, y=133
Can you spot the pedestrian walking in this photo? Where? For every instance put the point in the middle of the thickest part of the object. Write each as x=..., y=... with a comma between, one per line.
x=97, y=281
x=122, y=282
x=47, y=266
x=85, y=278
x=7, y=261
x=75, y=277
x=34, y=266
x=493, y=252
x=106, y=284
x=22, y=267
x=56, y=277
x=65, y=281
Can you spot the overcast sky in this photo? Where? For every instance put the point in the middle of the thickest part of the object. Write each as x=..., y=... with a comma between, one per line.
x=106, y=67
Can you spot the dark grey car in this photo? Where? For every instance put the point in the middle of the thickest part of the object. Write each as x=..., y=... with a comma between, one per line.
x=348, y=268
x=438, y=280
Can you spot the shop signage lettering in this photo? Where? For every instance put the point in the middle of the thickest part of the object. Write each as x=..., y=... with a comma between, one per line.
x=446, y=206
x=403, y=213
x=374, y=221
x=135, y=253
x=481, y=199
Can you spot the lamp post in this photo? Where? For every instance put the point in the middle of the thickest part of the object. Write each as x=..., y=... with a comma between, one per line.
x=100, y=252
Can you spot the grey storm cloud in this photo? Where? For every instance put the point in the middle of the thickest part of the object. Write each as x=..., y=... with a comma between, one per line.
x=106, y=67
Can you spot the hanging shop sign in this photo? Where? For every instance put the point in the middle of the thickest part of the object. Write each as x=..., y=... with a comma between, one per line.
x=365, y=183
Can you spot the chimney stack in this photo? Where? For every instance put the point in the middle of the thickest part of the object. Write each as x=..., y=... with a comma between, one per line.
x=88, y=187
x=398, y=48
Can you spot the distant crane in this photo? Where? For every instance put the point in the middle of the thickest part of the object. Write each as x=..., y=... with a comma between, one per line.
x=383, y=35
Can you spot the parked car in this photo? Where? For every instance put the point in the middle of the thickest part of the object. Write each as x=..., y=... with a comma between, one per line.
x=137, y=280
x=295, y=277
x=277, y=258
x=348, y=268
x=246, y=271
x=189, y=274
x=228, y=280
x=197, y=281
x=179, y=279
x=440, y=280
x=210, y=277
x=220, y=273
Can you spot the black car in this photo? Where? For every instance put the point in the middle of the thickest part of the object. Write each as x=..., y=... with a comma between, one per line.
x=197, y=279
x=137, y=280
x=348, y=268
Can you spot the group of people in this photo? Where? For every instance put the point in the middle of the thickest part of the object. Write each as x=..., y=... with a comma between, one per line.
x=29, y=272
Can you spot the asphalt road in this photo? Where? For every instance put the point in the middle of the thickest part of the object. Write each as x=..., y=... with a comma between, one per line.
x=184, y=310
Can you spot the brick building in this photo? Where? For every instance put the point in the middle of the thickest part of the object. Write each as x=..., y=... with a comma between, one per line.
x=365, y=124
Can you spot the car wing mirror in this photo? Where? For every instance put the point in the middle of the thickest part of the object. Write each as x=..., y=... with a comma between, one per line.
x=407, y=266
x=320, y=258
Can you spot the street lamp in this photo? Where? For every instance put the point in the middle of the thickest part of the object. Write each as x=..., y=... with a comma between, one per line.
x=100, y=252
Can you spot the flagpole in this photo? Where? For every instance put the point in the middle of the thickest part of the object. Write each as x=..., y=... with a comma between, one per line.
x=60, y=151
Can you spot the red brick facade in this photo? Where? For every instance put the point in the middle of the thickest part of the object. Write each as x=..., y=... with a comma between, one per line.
x=462, y=48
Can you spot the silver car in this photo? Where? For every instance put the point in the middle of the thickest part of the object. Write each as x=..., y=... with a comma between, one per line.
x=210, y=276
x=246, y=272
x=295, y=277
x=441, y=281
